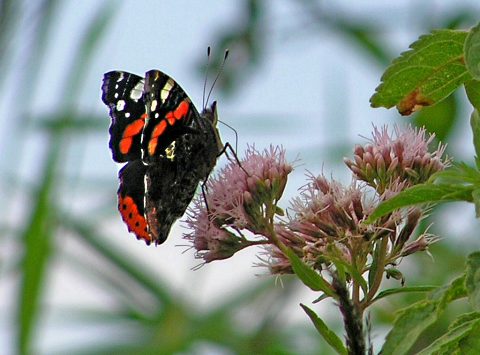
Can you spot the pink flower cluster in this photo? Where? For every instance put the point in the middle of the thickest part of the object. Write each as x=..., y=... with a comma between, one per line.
x=401, y=158
x=240, y=197
x=325, y=224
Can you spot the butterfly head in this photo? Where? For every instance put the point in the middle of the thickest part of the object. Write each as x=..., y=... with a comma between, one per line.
x=211, y=116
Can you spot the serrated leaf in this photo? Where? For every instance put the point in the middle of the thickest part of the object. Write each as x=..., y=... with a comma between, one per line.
x=424, y=75
x=472, y=52
x=420, y=194
x=472, y=280
x=307, y=275
x=330, y=337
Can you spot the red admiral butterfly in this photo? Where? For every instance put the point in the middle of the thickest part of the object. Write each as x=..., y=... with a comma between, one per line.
x=168, y=147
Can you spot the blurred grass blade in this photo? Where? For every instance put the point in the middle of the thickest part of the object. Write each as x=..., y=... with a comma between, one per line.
x=91, y=39
x=9, y=11
x=40, y=226
x=122, y=262
x=36, y=239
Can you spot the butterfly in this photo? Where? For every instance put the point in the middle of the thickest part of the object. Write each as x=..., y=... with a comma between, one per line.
x=167, y=145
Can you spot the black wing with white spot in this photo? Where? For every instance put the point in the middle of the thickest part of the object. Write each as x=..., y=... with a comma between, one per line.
x=122, y=92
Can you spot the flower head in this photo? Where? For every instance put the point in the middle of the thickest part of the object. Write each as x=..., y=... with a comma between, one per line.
x=401, y=158
x=326, y=228
x=241, y=196
x=325, y=224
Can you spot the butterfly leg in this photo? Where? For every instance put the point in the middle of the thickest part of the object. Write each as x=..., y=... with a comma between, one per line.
x=204, y=194
x=229, y=147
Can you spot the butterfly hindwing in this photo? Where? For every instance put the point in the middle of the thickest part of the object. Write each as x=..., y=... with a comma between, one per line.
x=122, y=93
x=131, y=199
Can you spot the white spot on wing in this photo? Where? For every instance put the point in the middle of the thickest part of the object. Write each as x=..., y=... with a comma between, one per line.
x=120, y=105
x=153, y=106
x=137, y=91
x=127, y=114
x=145, y=184
x=166, y=89
x=120, y=78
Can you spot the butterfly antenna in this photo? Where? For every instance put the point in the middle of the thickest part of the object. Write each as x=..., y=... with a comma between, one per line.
x=206, y=77
x=218, y=74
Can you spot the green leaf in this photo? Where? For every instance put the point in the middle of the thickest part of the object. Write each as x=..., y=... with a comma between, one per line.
x=460, y=173
x=307, y=275
x=419, y=194
x=397, y=290
x=409, y=324
x=374, y=266
x=472, y=89
x=454, y=291
x=355, y=274
x=462, y=339
x=464, y=318
x=472, y=52
x=475, y=124
x=472, y=280
x=476, y=201
x=424, y=75
x=330, y=337
x=440, y=118
x=413, y=320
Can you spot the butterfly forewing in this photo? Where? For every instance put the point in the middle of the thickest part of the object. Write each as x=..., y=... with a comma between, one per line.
x=169, y=111
x=122, y=93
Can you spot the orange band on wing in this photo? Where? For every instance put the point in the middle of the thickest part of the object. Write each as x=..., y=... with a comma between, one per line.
x=130, y=132
x=157, y=132
x=179, y=113
x=135, y=221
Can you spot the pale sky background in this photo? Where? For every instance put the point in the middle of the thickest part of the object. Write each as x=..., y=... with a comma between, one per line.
x=304, y=85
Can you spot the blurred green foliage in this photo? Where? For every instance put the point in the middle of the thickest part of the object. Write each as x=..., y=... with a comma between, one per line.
x=169, y=324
